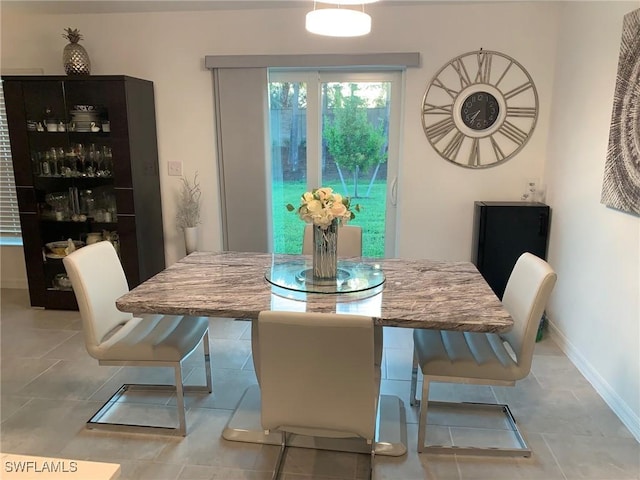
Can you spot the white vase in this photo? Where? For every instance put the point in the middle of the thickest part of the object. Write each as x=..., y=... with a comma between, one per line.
x=191, y=239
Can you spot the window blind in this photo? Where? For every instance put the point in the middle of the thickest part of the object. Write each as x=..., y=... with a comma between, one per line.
x=9, y=218
x=241, y=120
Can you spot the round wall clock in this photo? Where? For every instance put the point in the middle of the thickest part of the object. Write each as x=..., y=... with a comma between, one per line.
x=480, y=109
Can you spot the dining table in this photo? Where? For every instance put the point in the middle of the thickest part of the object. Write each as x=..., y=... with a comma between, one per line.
x=394, y=292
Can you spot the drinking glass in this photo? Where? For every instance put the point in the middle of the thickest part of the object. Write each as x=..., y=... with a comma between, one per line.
x=80, y=154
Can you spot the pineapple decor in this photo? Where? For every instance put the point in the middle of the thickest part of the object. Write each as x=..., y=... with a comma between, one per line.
x=75, y=57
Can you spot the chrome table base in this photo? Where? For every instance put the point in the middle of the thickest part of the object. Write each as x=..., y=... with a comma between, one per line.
x=244, y=426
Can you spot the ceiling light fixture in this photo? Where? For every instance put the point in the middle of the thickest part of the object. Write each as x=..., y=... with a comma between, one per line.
x=347, y=2
x=339, y=22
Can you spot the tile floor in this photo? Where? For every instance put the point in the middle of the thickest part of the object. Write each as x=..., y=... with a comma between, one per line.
x=50, y=387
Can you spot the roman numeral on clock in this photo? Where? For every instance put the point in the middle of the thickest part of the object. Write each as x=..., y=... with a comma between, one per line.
x=461, y=70
x=437, y=131
x=484, y=67
x=513, y=133
x=497, y=150
x=518, y=90
x=453, y=147
x=525, y=112
x=450, y=91
x=437, y=109
x=474, y=156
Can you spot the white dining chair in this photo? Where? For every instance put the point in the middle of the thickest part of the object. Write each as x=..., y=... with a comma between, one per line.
x=116, y=338
x=485, y=358
x=319, y=375
x=349, y=240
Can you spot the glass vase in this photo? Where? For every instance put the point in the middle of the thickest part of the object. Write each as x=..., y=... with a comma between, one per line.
x=325, y=252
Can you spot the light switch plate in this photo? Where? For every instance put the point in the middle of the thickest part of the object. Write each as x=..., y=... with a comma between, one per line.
x=175, y=168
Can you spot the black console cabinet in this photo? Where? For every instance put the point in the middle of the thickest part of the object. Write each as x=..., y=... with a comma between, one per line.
x=502, y=231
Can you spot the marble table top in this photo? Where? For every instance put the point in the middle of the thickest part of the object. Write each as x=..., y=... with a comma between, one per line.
x=416, y=293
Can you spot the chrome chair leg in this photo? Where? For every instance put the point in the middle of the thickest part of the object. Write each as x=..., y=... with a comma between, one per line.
x=207, y=360
x=523, y=450
x=373, y=455
x=422, y=422
x=281, y=454
x=178, y=388
x=413, y=401
x=182, y=429
x=95, y=423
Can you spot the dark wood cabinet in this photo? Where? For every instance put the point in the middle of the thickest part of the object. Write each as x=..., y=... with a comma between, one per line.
x=85, y=160
x=502, y=231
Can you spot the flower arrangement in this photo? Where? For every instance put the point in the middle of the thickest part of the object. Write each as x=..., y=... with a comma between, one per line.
x=188, y=214
x=322, y=205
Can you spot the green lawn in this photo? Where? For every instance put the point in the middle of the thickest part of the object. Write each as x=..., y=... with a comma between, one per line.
x=288, y=227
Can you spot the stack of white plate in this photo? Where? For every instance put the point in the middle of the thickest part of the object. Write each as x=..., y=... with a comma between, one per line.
x=83, y=115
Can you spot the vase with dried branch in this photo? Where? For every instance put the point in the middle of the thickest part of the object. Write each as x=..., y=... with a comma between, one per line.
x=188, y=214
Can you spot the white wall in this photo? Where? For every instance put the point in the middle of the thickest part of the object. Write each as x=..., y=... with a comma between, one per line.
x=12, y=266
x=595, y=308
x=436, y=197
x=169, y=48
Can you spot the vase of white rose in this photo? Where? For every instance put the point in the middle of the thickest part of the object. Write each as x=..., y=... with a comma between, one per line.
x=326, y=210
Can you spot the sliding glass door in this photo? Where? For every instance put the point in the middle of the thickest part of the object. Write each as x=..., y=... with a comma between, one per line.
x=336, y=129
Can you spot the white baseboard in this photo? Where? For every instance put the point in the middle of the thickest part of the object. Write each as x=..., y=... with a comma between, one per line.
x=608, y=394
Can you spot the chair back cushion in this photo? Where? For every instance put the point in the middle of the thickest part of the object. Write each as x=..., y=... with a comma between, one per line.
x=525, y=297
x=349, y=240
x=98, y=280
x=318, y=373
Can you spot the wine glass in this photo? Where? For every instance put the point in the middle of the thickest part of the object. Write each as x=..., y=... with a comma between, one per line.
x=80, y=153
